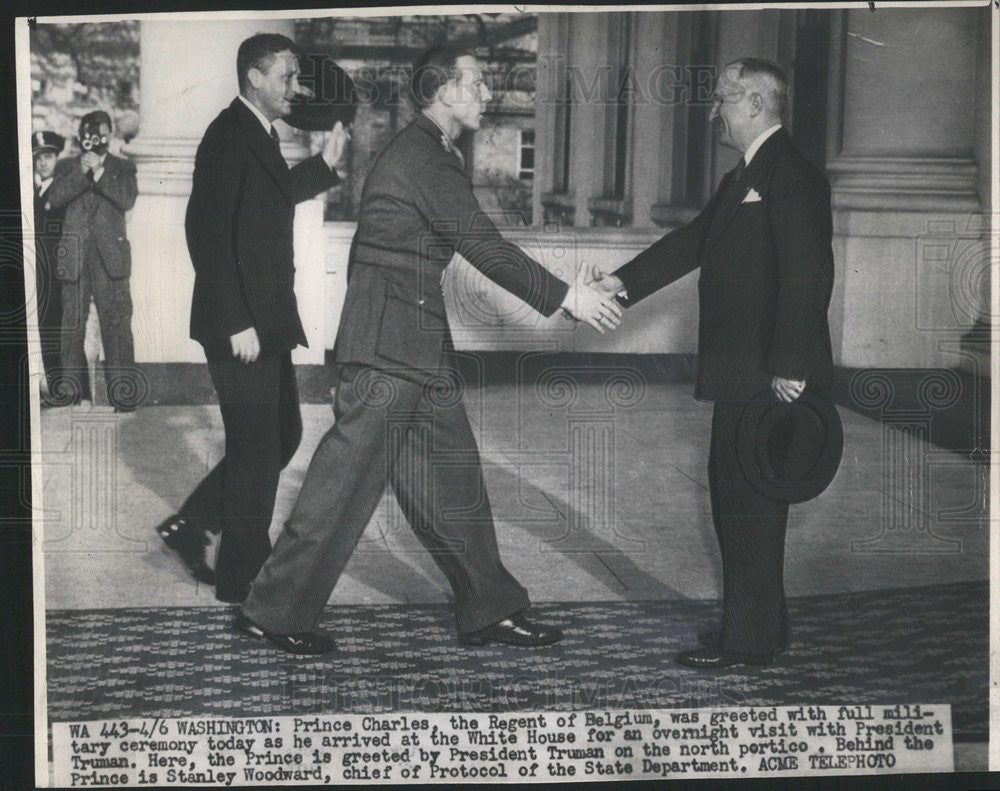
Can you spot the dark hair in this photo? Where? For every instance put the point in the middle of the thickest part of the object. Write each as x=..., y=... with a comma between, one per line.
x=752, y=67
x=95, y=118
x=432, y=70
x=258, y=52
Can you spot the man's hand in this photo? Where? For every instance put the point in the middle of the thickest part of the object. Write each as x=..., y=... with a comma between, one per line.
x=334, y=145
x=787, y=390
x=584, y=303
x=246, y=346
x=608, y=284
x=89, y=161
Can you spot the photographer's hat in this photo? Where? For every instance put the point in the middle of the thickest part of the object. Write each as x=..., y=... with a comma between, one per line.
x=790, y=451
x=333, y=95
x=46, y=141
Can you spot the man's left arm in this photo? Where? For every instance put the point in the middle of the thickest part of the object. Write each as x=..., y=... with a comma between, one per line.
x=801, y=224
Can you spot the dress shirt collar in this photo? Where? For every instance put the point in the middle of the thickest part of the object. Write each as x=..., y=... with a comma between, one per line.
x=756, y=144
x=260, y=116
x=44, y=185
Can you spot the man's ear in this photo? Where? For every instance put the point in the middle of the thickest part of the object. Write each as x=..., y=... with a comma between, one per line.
x=446, y=93
x=756, y=103
x=255, y=76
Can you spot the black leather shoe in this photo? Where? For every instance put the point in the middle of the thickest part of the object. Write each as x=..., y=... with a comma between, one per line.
x=714, y=658
x=516, y=630
x=303, y=643
x=189, y=543
x=714, y=640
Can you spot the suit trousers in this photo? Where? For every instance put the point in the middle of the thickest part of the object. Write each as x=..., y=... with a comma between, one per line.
x=418, y=439
x=750, y=528
x=259, y=402
x=113, y=299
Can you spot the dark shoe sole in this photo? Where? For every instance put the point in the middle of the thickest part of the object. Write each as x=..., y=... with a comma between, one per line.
x=714, y=640
x=284, y=642
x=730, y=661
x=479, y=639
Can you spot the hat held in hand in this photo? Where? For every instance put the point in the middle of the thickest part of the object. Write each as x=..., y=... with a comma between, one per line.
x=329, y=95
x=790, y=451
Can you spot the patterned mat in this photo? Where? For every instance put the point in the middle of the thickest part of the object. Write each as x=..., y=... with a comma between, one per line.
x=926, y=645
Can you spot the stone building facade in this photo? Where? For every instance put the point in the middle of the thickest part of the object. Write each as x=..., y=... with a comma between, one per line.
x=895, y=106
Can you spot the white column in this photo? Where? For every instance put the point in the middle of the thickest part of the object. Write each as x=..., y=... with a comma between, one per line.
x=910, y=246
x=187, y=76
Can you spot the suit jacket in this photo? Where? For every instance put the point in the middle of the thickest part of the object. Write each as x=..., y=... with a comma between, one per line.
x=417, y=210
x=95, y=215
x=766, y=275
x=239, y=233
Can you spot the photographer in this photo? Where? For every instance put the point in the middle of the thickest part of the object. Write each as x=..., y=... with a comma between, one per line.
x=96, y=189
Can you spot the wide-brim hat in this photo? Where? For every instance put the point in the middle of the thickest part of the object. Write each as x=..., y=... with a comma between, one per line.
x=790, y=451
x=47, y=141
x=333, y=98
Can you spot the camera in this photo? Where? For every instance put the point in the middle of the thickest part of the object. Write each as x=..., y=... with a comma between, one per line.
x=91, y=138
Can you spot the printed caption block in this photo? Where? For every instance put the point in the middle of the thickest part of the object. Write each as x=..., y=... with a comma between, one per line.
x=432, y=748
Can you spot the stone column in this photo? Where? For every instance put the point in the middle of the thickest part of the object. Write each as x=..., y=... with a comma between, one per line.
x=901, y=161
x=187, y=76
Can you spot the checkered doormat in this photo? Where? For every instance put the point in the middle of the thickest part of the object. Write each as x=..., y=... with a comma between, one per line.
x=913, y=645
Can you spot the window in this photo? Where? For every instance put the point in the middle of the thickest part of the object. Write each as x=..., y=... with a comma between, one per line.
x=526, y=160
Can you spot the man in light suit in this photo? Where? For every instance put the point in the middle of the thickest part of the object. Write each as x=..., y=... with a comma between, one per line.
x=95, y=190
x=244, y=313
x=763, y=244
x=398, y=408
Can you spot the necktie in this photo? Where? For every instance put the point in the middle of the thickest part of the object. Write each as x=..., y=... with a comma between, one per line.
x=275, y=138
x=731, y=197
x=738, y=172
x=734, y=193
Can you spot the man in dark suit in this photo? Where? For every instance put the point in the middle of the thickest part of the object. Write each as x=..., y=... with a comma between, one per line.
x=45, y=150
x=244, y=313
x=399, y=414
x=95, y=190
x=763, y=243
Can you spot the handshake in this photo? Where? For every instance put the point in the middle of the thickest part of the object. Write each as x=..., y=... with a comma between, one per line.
x=591, y=298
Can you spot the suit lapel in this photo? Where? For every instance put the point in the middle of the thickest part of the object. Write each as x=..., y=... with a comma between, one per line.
x=759, y=166
x=262, y=147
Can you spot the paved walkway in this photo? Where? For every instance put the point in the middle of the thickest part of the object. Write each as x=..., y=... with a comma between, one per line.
x=598, y=496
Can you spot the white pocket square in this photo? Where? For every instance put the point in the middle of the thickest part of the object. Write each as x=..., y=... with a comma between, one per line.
x=752, y=196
